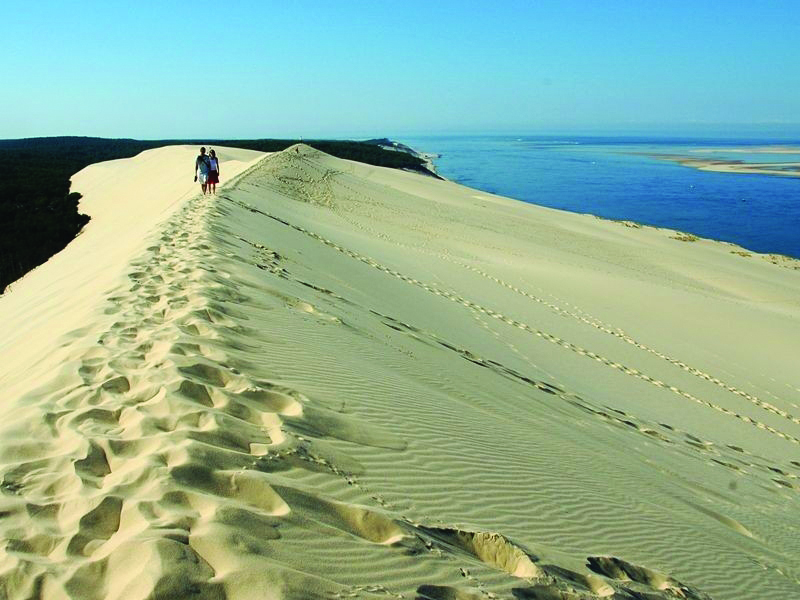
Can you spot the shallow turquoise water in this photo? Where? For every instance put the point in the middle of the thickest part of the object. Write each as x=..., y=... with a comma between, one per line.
x=613, y=178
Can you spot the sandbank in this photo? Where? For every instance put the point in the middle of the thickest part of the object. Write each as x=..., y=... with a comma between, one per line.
x=770, y=149
x=786, y=169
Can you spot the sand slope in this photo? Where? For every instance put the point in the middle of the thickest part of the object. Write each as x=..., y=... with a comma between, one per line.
x=337, y=380
x=127, y=200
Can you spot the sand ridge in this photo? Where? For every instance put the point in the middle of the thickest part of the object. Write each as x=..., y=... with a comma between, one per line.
x=126, y=199
x=336, y=380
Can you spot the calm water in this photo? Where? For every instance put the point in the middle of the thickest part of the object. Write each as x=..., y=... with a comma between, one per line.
x=610, y=177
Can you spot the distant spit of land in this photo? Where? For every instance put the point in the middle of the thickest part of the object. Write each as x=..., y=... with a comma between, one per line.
x=786, y=169
x=754, y=150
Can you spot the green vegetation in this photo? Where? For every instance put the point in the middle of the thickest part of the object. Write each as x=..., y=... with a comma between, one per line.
x=39, y=216
x=684, y=237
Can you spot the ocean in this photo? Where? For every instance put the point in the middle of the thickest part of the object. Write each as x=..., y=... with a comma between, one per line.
x=618, y=178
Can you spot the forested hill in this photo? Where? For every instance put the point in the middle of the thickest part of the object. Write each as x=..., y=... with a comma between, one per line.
x=39, y=216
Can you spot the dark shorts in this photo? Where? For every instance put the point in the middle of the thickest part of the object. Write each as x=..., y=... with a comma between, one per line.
x=213, y=177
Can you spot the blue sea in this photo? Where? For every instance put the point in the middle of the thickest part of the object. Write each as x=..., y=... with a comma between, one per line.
x=615, y=178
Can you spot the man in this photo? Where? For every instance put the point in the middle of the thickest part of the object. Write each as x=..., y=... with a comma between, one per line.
x=201, y=169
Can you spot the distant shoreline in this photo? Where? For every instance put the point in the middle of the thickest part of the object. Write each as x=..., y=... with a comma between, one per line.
x=785, y=169
x=754, y=150
x=395, y=146
x=641, y=187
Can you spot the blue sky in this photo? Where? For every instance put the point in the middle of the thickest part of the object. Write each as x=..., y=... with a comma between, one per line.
x=363, y=68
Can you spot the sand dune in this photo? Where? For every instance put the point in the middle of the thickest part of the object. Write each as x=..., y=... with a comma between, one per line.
x=335, y=380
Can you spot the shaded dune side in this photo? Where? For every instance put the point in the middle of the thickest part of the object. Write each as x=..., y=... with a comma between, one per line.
x=210, y=439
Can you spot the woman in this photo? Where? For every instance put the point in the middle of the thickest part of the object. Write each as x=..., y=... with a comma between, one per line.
x=213, y=172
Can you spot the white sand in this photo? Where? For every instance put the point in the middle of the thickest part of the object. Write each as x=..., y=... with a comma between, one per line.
x=336, y=380
x=783, y=169
x=127, y=200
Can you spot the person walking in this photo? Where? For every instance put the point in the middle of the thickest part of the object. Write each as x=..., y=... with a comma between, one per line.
x=202, y=166
x=213, y=172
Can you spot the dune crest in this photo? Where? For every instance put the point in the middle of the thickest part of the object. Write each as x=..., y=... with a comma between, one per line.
x=336, y=380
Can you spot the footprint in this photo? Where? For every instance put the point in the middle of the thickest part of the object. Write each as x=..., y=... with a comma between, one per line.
x=621, y=570
x=548, y=592
x=117, y=385
x=208, y=374
x=96, y=526
x=594, y=584
x=271, y=400
x=322, y=422
x=195, y=392
x=94, y=415
x=248, y=487
x=493, y=549
x=363, y=522
x=94, y=465
x=443, y=592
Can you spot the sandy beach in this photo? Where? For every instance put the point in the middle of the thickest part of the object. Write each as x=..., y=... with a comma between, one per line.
x=775, y=149
x=785, y=169
x=334, y=380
